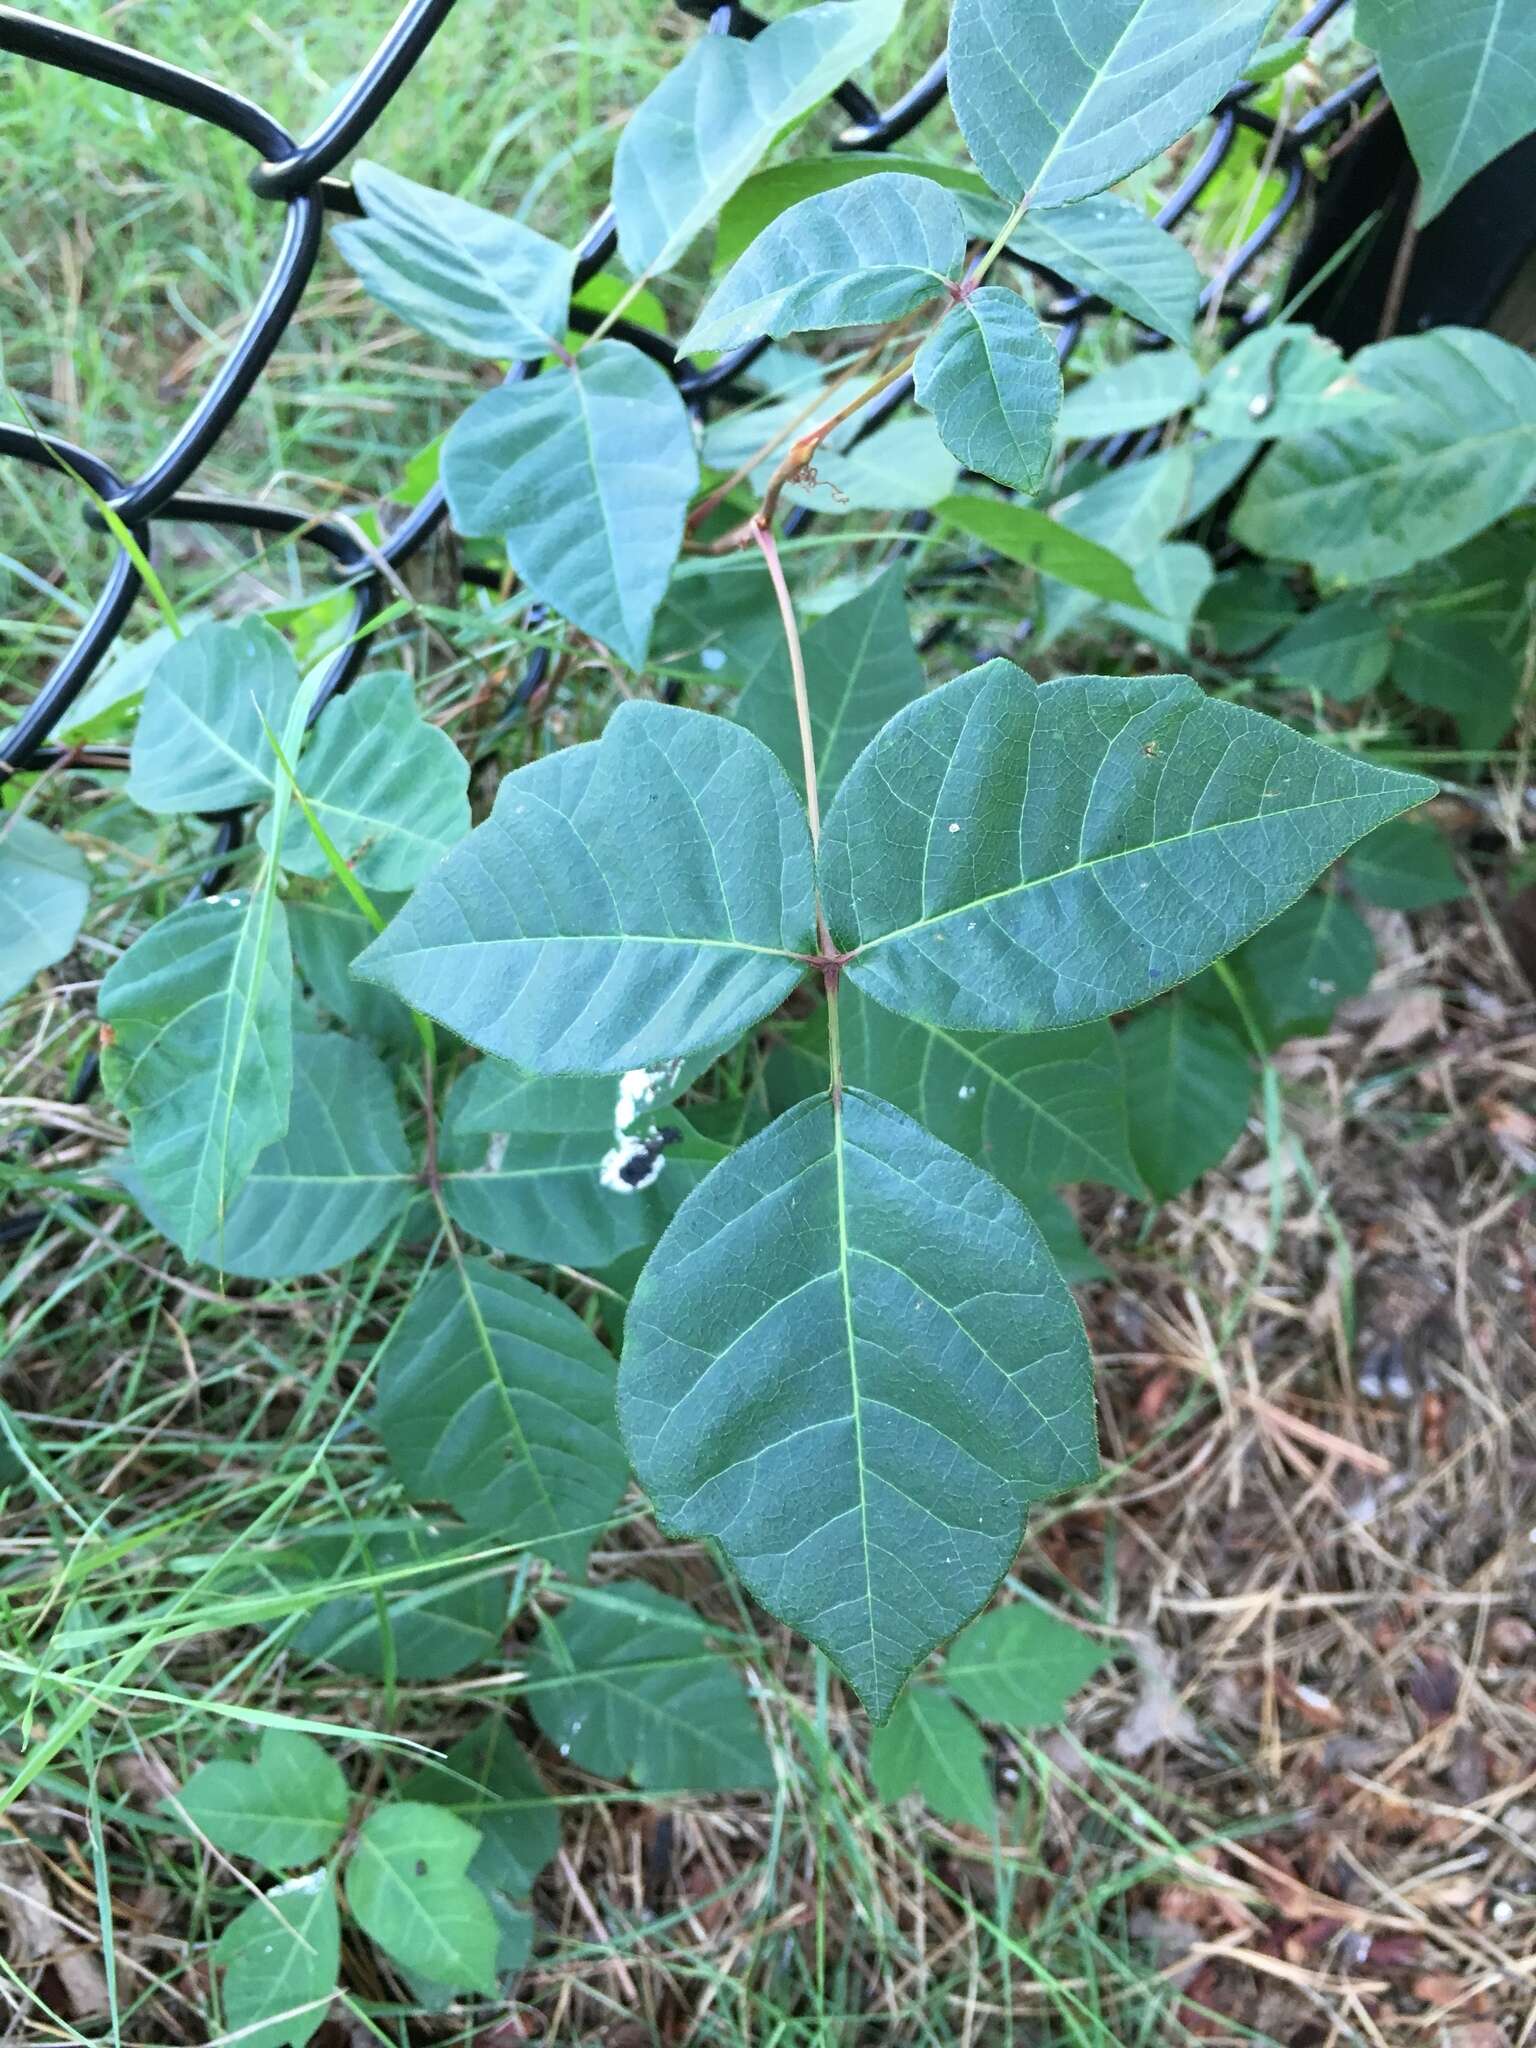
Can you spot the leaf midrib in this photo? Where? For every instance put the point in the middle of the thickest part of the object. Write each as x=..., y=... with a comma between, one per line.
x=1023, y=887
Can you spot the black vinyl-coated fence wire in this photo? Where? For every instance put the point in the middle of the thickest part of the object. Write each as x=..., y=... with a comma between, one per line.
x=297, y=176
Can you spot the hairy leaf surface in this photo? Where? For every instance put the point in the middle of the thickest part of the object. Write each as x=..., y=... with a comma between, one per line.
x=851, y=1364
x=628, y=901
x=1014, y=857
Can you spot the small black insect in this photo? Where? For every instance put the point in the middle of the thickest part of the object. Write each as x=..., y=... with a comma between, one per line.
x=639, y=1169
x=421, y=1866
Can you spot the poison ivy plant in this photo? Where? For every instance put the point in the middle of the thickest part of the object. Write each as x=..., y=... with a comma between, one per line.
x=554, y=467
x=1017, y=1667
x=1461, y=83
x=626, y=1686
x=1453, y=450
x=758, y=1038
x=476, y=280
x=281, y=1957
x=45, y=891
x=495, y=1397
x=711, y=119
x=1056, y=109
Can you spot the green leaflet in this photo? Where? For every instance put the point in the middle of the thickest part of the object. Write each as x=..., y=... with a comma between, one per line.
x=408, y=1889
x=1189, y=1080
x=390, y=791
x=1343, y=648
x=198, y=1054
x=286, y=1808
x=860, y=668
x=1139, y=392
x=44, y=893
x=688, y=147
x=108, y=708
x=862, y=255
x=1468, y=664
x=719, y=618
x=903, y=468
x=281, y=1956
x=1455, y=451
x=1036, y=1112
x=768, y=193
x=1297, y=971
x=200, y=744
x=628, y=901
x=1130, y=512
x=929, y=1746
x=1058, y=106
x=1110, y=247
x=328, y=932
x=1247, y=608
x=1107, y=246
x=1406, y=865
x=410, y=1618
x=624, y=1685
x=990, y=377
x=851, y=1364
x=545, y=1196
x=329, y=1187
x=491, y=1783
x=1020, y=1665
x=1283, y=381
x=584, y=475
x=1038, y=540
x=1175, y=577
x=473, y=279
x=981, y=889
x=1463, y=83
x=495, y=1397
